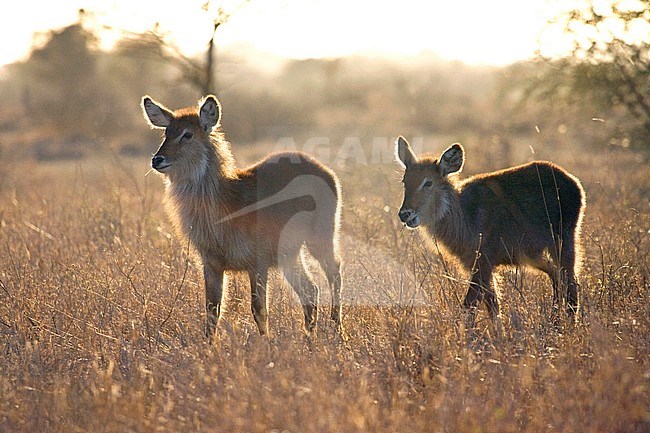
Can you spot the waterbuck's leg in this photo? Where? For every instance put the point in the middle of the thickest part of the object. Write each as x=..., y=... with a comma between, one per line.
x=258, y=279
x=306, y=290
x=479, y=290
x=550, y=266
x=335, y=282
x=471, y=303
x=567, y=273
x=330, y=262
x=213, y=275
x=491, y=301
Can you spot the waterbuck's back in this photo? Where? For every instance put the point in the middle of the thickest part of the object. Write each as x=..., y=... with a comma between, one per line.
x=523, y=211
x=286, y=194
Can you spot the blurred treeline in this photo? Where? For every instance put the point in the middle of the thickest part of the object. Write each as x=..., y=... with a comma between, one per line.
x=70, y=98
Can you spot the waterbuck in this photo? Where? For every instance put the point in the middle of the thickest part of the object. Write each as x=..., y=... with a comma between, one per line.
x=251, y=220
x=525, y=215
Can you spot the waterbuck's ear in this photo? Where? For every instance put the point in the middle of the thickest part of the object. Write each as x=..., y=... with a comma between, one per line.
x=210, y=113
x=157, y=115
x=404, y=153
x=452, y=160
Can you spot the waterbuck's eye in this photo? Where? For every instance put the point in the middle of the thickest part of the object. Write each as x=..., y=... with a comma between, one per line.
x=426, y=183
x=187, y=136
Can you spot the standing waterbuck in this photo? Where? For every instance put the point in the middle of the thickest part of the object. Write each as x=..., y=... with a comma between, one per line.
x=525, y=215
x=250, y=220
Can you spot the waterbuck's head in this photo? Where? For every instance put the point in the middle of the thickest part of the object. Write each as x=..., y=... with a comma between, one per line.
x=184, y=151
x=427, y=188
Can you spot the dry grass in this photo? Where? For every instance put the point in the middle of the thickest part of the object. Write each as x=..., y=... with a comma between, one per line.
x=101, y=320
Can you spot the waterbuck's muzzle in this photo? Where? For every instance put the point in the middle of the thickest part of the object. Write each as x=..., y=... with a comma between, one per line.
x=159, y=162
x=409, y=217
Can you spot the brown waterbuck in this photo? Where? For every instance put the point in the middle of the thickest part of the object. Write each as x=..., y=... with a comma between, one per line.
x=250, y=220
x=525, y=215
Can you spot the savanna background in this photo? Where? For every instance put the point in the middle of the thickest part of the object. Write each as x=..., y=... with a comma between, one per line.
x=101, y=305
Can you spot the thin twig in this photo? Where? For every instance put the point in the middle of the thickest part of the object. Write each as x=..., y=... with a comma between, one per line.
x=180, y=287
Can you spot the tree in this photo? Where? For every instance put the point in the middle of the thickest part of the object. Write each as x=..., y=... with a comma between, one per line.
x=608, y=68
x=63, y=72
x=199, y=73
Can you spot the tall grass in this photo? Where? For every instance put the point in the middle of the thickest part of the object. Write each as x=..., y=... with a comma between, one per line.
x=101, y=312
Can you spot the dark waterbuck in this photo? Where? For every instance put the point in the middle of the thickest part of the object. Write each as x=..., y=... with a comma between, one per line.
x=254, y=219
x=525, y=215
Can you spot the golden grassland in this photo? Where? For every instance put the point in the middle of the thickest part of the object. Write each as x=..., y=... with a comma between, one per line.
x=101, y=318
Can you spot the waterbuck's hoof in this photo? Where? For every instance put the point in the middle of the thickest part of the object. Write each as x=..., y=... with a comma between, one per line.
x=263, y=329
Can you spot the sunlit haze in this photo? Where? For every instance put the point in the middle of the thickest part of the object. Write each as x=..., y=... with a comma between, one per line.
x=476, y=32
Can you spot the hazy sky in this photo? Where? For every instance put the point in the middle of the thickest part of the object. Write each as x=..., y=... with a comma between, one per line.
x=474, y=31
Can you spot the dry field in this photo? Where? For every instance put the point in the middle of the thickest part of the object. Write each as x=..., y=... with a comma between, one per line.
x=101, y=317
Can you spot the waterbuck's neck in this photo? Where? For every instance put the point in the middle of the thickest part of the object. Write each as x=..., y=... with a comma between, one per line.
x=195, y=200
x=451, y=227
x=196, y=203
x=222, y=156
x=207, y=178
